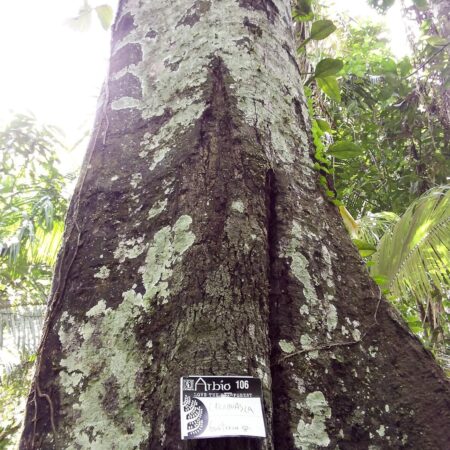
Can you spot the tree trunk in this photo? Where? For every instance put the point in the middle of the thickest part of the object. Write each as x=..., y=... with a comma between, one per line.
x=198, y=242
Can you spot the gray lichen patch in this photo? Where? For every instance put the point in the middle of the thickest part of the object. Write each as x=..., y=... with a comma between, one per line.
x=102, y=273
x=177, y=51
x=129, y=248
x=136, y=179
x=320, y=312
x=107, y=352
x=331, y=317
x=312, y=433
x=299, y=265
x=238, y=205
x=101, y=352
x=166, y=249
x=157, y=208
x=286, y=346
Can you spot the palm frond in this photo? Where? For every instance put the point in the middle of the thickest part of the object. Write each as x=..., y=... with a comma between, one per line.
x=373, y=226
x=414, y=255
x=20, y=327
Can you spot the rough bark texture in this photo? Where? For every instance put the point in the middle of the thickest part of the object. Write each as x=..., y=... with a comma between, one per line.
x=198, y=242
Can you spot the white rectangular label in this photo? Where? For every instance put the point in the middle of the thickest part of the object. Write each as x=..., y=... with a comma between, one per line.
x=221, y=406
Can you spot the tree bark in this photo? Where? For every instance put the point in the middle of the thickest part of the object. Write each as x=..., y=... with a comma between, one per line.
x=198, y=242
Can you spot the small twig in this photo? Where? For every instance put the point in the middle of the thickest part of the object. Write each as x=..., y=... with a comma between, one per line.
x=427, y=61
x=320, y=347
x=337, y=344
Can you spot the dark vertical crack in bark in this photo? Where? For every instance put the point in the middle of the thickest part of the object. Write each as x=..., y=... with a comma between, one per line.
x=278, y=283
x=267, y=6
x=219, y=168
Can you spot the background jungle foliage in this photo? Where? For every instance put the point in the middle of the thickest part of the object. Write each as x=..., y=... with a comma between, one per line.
x=381, y=132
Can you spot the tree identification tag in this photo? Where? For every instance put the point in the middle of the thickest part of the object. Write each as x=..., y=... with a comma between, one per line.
x=213, y=407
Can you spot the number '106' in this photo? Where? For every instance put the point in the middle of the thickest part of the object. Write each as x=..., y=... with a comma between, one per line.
x=242, y=384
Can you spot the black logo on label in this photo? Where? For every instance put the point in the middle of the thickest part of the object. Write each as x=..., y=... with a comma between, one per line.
x=196, y=416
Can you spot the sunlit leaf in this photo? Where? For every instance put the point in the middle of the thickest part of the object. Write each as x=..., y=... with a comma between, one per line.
x=321, y=29
x=105, y=15
x=415, y=254
x=330, y=86
x=365, y=248
x=437, y=41
x=323, y=125
x=327, y=67
x=344, y=150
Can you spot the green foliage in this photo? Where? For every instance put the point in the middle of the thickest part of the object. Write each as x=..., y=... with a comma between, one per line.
x=31, y=224
x=303, y=11
x=373, y=226
x=83, y=20
x=105, y=15
x=320, y=29
x=412, y=264
x=344, y=150
x=330, y=86
x=391, y=110
x=328, y=67
x=365, y=248
x=14, y=386
x=404, y=150
x=33, y=206
x=414, y=255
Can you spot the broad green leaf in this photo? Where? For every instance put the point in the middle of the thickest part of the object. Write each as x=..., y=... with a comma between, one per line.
x=436, y=41
x=389, y=65
x=327, y=67
x=321, y=29
x=323, y=125
x=380, y=279
x=405, y=66
x=345, y=150
x=365, y=248
x=330, y=86
x=105, y=15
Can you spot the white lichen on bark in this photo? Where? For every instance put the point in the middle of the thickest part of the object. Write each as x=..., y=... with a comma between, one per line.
x=157, y=208
x=174, y=69
x=102, y=350
x=129, y=248
x=311, y=433
x=168, y=246
x=108, y=349
x=238, y=206
x=286, y=346
x=102, y=273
